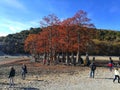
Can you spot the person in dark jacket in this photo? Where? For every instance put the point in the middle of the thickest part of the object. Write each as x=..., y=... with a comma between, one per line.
x=11, y=76
x=93, y=68
x=24, y=71
x=110, y=64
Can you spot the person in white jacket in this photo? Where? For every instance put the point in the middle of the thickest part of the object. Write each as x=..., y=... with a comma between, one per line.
x=117, y=75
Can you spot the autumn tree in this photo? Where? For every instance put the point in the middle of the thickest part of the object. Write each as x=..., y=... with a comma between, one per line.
x=31, y=45
x=67, y=34
x=43, y=44
x=76, y=32
x=84, y=30
x=69, y=37
x=50, y=23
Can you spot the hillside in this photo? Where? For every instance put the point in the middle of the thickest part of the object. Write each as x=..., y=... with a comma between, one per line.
x=14, y=43
x=106, y=42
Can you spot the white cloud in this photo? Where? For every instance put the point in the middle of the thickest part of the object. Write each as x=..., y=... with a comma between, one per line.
x=14, y=29
x=10, y=26
x=3, y=34
x=13, y=3
x=13, y=26
x=35, y=22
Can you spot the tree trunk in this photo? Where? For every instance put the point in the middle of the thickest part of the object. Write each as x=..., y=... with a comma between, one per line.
x=73, y=59
x=34, y=58
x=63, y=57
x=78, y=56
x=67, y=58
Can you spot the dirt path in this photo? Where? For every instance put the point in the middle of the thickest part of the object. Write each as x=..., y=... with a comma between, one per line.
x=12, y=60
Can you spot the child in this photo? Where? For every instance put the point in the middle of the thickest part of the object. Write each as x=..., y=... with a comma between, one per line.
x=116, y=72
x=24, y=71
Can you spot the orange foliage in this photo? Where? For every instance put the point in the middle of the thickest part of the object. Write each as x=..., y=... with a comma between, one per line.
x=30, y=42
x=61, y=36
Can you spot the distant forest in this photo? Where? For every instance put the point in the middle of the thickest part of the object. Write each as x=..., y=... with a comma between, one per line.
x=106, y=42
x=14, y=43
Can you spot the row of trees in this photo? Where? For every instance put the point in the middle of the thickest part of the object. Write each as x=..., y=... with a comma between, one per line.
x=14, y=43
x=68, y=37
x=109, y=48
x=108, y=35
x=106, y=42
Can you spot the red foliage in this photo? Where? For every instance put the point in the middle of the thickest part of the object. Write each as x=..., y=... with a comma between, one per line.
x=57, y=36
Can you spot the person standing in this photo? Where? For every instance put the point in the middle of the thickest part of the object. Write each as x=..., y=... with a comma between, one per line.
x=24, y=71
x=11, y=76
x=110, y=64
x=93, y=68
x=117, y=75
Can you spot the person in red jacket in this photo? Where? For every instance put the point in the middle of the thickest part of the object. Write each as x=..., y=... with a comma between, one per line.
x=110, y=64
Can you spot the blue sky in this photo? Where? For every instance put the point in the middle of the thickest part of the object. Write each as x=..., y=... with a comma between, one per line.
x=18, y=15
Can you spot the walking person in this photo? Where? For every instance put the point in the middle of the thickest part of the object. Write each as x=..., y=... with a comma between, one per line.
x=24, y=71
x=117, y=75
x=93, y=68
x=11, y=76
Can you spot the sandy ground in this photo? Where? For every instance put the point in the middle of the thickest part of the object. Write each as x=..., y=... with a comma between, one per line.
x=42, y=77
x=65, y=81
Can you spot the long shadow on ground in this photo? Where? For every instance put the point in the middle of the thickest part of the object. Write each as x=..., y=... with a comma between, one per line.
x=4, y=83
x=30, y=88
x=19, y=88
x=22, y=88
x=104, y=78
